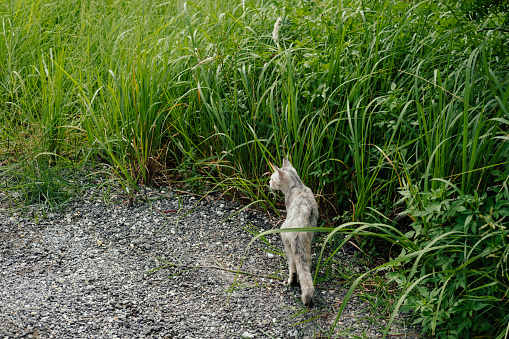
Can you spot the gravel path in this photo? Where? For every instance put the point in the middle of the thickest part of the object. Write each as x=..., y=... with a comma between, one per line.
x=84, y=274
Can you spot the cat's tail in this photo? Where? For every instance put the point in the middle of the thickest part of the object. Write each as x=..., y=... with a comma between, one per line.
x=303, y=264
x=308, y=290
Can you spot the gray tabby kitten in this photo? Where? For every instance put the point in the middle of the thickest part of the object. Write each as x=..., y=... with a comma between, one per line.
x=301, y=211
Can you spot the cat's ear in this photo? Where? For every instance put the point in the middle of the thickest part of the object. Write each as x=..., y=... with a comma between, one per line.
x=277, y=169
x=286, y=163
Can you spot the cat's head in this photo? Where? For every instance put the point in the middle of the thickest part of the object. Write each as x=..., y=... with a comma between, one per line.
x=283, y=178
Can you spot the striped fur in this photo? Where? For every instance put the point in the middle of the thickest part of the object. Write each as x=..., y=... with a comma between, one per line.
x=301, y=211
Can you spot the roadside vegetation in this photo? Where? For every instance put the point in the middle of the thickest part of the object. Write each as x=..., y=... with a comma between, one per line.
x=395, y=113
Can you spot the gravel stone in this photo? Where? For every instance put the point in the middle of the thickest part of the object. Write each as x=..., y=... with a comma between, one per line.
x=152, y=271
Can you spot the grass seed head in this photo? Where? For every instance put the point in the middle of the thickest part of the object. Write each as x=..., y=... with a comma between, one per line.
x=275, y=33
x=204, y=61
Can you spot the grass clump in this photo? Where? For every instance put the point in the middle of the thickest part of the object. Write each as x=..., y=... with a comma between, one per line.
x=464, y=270
x=40, y=185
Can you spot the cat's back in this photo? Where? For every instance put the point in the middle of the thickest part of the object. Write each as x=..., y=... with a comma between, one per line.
x=301, y=208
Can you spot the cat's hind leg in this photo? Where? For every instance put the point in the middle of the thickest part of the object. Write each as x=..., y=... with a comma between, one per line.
x=292, y=272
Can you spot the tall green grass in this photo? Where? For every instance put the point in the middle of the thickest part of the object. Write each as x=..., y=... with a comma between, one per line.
x=360, y=96
x=368, y=99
